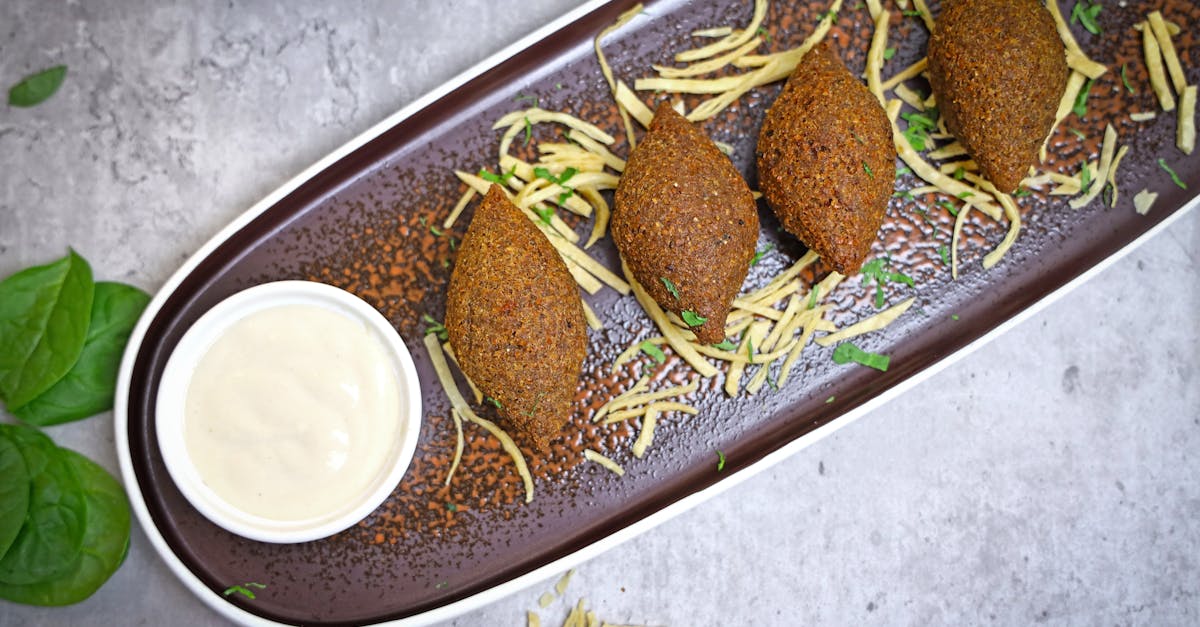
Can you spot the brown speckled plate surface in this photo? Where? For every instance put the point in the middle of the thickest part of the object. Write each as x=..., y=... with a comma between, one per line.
x=361, y=224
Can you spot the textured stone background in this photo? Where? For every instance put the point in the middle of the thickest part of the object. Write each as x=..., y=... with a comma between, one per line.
x=1050, y=476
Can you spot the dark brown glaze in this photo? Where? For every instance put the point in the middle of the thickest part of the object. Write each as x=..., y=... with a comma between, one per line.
x=826, y=163
x=683, y=213
x=998, y=69
x=514, y=319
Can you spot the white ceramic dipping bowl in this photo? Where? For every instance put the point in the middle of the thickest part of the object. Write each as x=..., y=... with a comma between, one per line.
x=172, y=397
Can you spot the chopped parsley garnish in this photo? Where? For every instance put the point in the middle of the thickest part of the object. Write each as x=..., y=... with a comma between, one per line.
x=560, y=180
x=759, y=254
x=888, y=54
x=868, y=170
x=451, y=507
x=831, y=14
x=244, y=589
x=1022, y=192
x=944, y=253
x=1125, y=80
x=720, y=461
x=1085, y=179
x=813, y=296
x=966, y=195
x=954, y=316
x=905, y=194
x=903, y=171
x=653, y=351
x=847, y=352
x=959, y=173
x=948, y=206
x=441, y=585
x=762, y=32
x=772, y=384
x=750, y=348
x=925, y=216
x=1080, y=107
x=911, y=13
x=670, y=286
x=494, y=402
x=1086, y=13
x=435, y=327
x=919, y=125
x=501, y=179
x=829, y=400
x=436, y=231
x=691, y=318
x=544, y=214
x=1078, y=133
x=1174, y=177
x=876, y=269
x=528, y=130
x=453, y=243
x=532, y=100
x=727, y=345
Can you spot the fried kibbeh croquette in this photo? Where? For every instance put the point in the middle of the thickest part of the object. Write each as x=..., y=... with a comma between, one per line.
x=515, y=321
x=826, y=162
x=998, y=69
x=686, y=223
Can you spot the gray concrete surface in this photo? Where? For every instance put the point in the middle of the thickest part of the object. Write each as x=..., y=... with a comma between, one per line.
x=1050, y=477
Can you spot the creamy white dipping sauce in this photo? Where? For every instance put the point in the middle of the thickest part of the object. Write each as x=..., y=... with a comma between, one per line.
x=291, y=413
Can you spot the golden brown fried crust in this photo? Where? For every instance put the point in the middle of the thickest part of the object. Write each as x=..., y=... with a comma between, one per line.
x=514, y=319
x=826, y=162
x=683, y=212
x=998, y=70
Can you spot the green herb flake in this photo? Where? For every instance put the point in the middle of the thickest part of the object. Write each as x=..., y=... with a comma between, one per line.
x=494, y=402
x=911, y=13
x=691, y=318
x=829, y=400
x=948, y=206
x=1022, y=192
x=902, y=171
x=545, y=214
x=847, y=352
x=441, y=585
x=37, y=87
x=501, y=179
x=720, y=461
x=451, y=507
x=966, y=195
x=1125, y=79
x=959, y=173
x=772, y=384
x=727, y=345
x=436, y=231
x=762, y=32
x=653, y=351
x=533, y=101
x=1085, y=179
x=453, y=243
x=670, y=286
x=528, y=130
x=813, y=296
x=435, y=327
x=759, y=254
x=244, y=589
x=867, y=168
x=944, y=253
x=888, y=54
x=954, y=316
x=1080, y=107
x=830, y=14
x=1085, y=13
x=1174, y=177
x=1078, y=133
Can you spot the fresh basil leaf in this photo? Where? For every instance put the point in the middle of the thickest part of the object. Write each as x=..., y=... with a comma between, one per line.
x=105, y=541
x=36, y=88
x=14, y=491
x=52, y=535
x=88, y=388
x=44, y=313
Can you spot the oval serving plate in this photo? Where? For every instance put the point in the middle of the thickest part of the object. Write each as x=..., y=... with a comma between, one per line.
x=358, y=220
